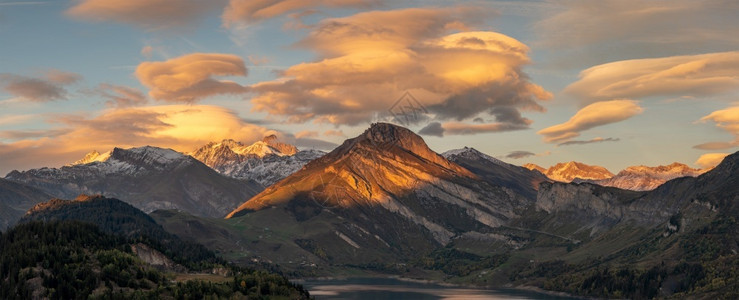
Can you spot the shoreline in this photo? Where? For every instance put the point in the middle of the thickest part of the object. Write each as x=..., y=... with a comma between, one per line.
x=523, y=288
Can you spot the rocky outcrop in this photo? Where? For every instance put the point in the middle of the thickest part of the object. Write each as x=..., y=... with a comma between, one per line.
x=156, y=258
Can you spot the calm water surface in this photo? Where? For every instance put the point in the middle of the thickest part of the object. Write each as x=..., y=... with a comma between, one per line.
x=390, y=289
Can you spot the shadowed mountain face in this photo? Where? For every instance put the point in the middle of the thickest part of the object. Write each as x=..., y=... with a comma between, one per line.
x=15, y=200
x=149, y=178
x=498, y=173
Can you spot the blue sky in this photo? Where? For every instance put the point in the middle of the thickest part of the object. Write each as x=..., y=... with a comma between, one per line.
x=611, y=83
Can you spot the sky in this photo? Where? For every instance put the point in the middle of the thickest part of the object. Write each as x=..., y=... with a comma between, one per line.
x=613, y=83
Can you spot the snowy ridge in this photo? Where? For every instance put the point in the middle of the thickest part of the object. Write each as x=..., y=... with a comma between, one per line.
x=567, y=172
x=91, y=157
x=643, y=178
x=636, y=178
x=132, y=161
x=473, y=153
x=262, y=161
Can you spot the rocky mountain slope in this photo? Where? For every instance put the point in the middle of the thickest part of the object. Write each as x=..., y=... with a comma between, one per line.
x=393, y=193
x=15, y=200
x=496, y=172
x=149, y=178
x=265, y=162
x=684, y=232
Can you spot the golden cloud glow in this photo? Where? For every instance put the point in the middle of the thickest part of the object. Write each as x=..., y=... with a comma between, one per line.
x=710, y=160
x=180, y=127
x=190, y=77
x=593, y=115
x=726, y=119
x=370, y=59
x=691, y=75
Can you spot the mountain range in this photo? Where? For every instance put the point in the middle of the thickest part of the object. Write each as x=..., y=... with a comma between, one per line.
x=149, y=178
x=385, y=203
x=265, y=162
x=636, y=178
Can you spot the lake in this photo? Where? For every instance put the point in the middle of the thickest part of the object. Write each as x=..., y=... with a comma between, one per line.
x=391, y=288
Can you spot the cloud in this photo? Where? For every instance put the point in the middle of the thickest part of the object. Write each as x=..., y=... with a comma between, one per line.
x=147, y=14
x=590, y=141
x=250, y=11
x=726, y=119
x=692, y=75
x=30, y=134
x=519, y=154
x=49, y=87
x=61, y=77
x=710, y=160
x=180, y=127
x=368, y=60
x=593, y=115
x=432, y=129
x=455, y=128
x=189, y=78
x=147, y=51
x=15, y=119
x=586, y=33
x=306, y=134
x=458, y=128
x=120, y=96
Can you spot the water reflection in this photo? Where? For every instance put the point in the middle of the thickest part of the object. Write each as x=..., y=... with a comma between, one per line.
x=389, y=288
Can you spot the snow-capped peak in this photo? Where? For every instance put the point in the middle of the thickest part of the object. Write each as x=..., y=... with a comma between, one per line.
x=91, y=157
x=266, y=161
x=260, y=149
x=152, y=154
x=472, y=153
x=644, y=178
x=670, y=171
x=569, y=171
x=536, y=167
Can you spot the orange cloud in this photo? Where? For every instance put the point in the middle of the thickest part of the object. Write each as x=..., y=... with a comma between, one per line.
x=148, y=14
x=726, y=119
x=710, y=160
x=189, y=78
x=370, y=59
x=249, y=11
x=180, y=127
x=593, y=115
x=691, y=75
